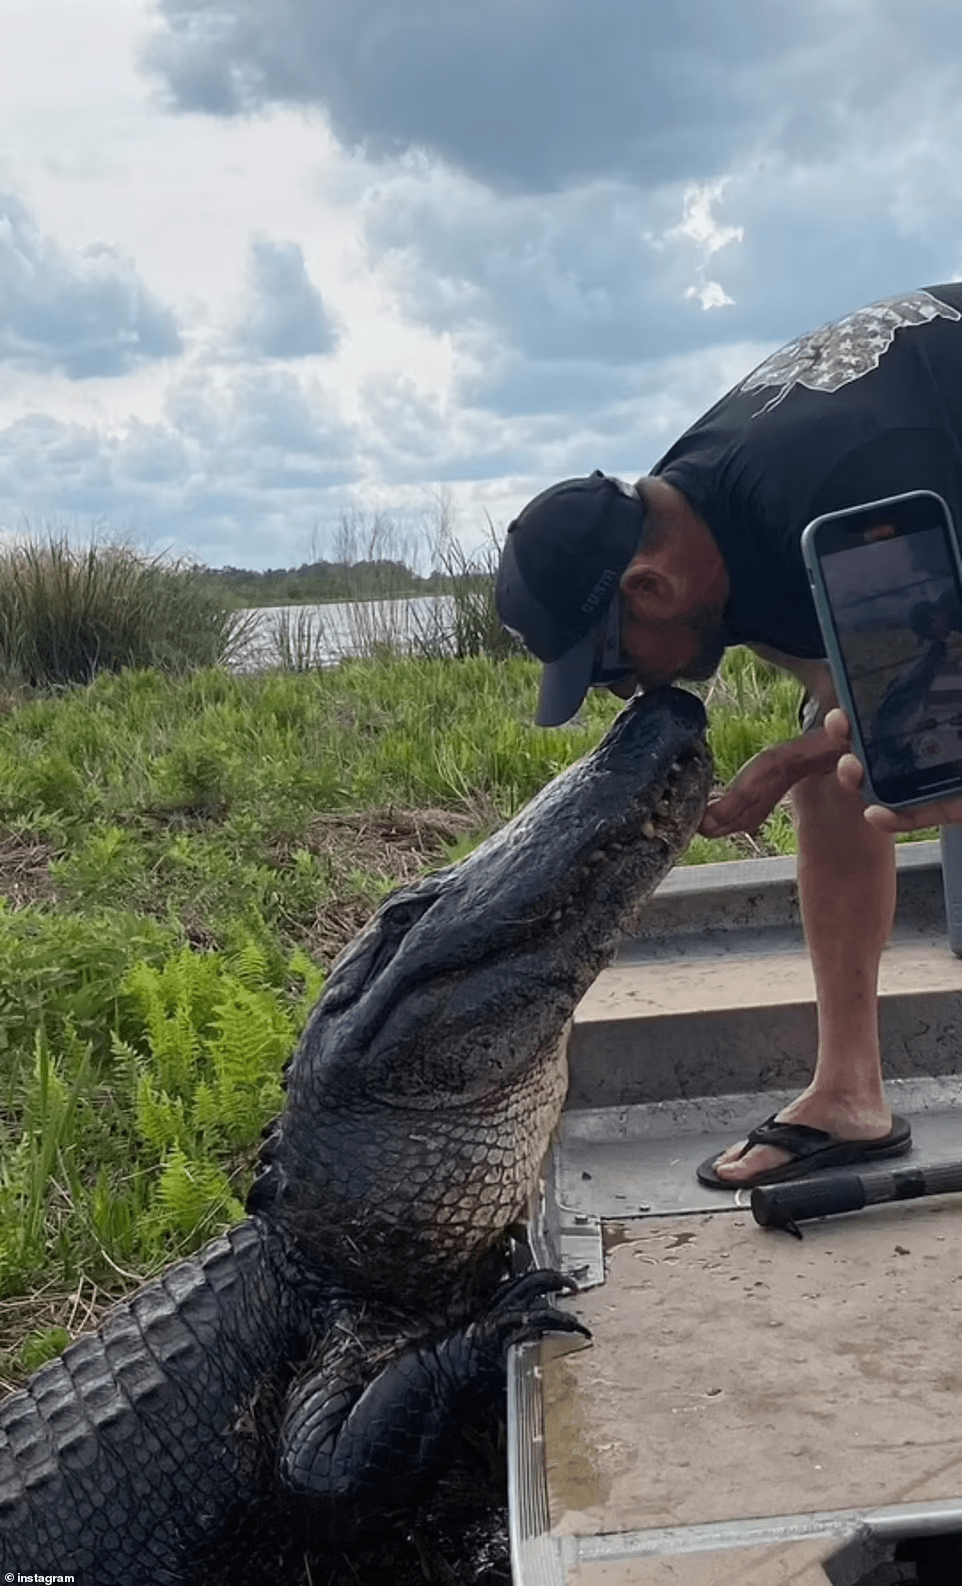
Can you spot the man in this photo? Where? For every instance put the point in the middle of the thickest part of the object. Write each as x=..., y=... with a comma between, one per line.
x=624, y=587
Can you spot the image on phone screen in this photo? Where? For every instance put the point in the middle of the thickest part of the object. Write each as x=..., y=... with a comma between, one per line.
x=898, y=618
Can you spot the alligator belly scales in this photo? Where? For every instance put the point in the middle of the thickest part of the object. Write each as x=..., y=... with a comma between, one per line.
x=313, y=1360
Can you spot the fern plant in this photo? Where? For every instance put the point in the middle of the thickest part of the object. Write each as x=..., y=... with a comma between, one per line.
x=192, y=1198
x=207, y=1060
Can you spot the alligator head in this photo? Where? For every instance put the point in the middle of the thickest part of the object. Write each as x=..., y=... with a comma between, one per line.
x=423, y=1093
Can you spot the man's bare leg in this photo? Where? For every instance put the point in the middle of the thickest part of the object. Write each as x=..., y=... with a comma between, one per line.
x=846, y=880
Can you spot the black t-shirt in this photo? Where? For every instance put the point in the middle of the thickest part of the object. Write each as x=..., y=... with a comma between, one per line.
x=866, y=407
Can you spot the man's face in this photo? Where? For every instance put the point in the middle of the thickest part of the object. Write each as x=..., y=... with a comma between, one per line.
x=689, y=647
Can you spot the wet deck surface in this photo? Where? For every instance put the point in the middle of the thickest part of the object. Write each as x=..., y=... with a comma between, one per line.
x=737, y=1373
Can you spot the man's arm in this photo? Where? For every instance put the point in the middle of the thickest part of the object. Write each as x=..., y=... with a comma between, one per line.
x=766, y=778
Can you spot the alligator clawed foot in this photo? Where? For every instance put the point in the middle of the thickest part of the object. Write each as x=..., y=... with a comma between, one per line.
x=531, y=1286
x=497, y=1334
x=346, y=1445
x=520, y=1312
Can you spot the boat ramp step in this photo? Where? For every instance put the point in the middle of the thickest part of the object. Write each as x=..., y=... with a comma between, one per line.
x=717, y=996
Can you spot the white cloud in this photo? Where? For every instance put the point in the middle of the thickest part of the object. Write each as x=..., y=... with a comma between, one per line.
x=84, y=312
x=710, y=295
x=596, y=273
x=528, y=97
x=250, y=458
x=700, y=225
x=285, y=315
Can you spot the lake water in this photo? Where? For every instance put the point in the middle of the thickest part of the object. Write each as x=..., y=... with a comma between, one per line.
x=323, y=635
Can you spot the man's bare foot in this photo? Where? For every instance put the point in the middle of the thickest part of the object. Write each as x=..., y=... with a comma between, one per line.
x=738, y=1165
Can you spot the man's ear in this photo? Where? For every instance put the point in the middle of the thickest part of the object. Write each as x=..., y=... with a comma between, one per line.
x=648, y=589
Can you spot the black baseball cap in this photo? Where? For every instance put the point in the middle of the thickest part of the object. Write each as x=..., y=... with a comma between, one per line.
x=562, y=561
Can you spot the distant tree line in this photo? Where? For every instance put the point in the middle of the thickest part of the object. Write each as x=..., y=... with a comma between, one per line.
x=375, y=558
x=314, y=583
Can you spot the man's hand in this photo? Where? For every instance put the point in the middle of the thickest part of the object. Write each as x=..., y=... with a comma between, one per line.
x=942, y=812
x=765, y=779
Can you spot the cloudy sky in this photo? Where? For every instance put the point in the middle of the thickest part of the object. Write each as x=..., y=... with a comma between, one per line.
x=267, y=262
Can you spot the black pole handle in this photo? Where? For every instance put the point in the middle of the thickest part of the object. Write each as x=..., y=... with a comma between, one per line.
x=786, y=1205
x=781, y=1205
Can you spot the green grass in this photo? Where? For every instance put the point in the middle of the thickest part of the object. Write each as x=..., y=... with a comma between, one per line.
x=181, y=858
x=137, y=1074
x=188, y=854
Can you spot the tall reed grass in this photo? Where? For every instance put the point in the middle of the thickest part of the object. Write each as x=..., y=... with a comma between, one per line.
x=67, y=613
x=470, y=624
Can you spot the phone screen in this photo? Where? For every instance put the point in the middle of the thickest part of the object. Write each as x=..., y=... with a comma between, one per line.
x=897, y=608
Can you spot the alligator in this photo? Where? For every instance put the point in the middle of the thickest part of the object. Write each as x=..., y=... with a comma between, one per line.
x=304, y=1370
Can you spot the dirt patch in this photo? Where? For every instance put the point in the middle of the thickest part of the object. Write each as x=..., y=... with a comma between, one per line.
x=390, y=847
x=24, y=874
x=79, y=1310
x=393, y=841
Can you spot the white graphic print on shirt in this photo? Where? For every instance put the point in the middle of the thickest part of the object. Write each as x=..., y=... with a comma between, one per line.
x=846, y=349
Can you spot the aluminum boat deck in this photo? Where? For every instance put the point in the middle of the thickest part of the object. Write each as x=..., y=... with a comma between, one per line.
x=753, y=1408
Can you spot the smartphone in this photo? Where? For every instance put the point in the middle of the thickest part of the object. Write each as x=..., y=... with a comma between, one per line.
x=887, y=583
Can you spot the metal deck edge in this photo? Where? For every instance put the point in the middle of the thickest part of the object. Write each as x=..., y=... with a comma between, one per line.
x=751, y=874
x=540, y=1558
x=535, y=1554
x=841, y=1525
x=736, y=1111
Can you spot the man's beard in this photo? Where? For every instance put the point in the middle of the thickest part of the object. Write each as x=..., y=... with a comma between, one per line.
x=712, y=643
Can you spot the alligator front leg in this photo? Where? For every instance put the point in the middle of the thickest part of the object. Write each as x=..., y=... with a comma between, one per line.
x=362, y=1448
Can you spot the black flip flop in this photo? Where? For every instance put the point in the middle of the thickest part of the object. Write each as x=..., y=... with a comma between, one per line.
x=812, y=1150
